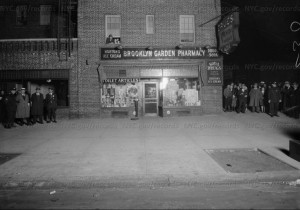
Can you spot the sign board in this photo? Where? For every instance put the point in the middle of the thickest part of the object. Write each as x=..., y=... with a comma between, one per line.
x=159, y=54
x=214, y=73
x=228, y=32
x=121, y=80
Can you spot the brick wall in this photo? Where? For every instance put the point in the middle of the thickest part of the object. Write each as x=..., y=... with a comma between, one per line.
x=42, y=58
x=91, y=34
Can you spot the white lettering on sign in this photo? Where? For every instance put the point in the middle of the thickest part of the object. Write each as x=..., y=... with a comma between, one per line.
x=121, y=80
x=164, y=53
x=137, y=53
x=191, y=53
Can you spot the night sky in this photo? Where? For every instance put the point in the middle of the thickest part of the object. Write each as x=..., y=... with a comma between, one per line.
x=265, y=35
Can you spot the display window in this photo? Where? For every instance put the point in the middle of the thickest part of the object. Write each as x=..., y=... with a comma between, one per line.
x=180, y=92
x=118, y=95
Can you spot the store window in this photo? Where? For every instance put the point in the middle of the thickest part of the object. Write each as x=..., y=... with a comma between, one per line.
x=21, y=15
x=118, y=94
x=180, y=92
x=113, y=29
x=187, y=29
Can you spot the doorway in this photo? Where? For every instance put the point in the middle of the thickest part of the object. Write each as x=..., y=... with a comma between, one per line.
x=150, y=95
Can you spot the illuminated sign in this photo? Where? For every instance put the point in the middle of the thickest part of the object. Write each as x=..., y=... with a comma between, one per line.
x=228, y=32
x=162, y=53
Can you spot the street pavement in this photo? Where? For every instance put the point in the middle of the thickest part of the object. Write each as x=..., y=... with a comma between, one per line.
x=122, y=152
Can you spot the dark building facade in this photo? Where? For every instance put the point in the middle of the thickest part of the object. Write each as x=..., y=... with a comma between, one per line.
x=115, y=52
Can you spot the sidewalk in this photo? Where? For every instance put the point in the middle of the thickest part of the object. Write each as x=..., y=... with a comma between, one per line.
x=148, y=150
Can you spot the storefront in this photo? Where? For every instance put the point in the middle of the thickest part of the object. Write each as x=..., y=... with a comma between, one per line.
x=166, y=82
x=30, y=79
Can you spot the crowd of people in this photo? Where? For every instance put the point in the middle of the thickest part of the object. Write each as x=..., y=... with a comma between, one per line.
x=19, y=107
x=263, y=98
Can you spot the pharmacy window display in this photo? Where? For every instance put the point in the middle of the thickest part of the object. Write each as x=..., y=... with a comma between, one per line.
x=180, y=92
x=118, y=95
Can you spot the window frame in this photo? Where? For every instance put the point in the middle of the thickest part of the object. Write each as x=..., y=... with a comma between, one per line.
x=106, y=23
x=49, y=7
x=148, y=25
x=180, y=28
x=25, y=7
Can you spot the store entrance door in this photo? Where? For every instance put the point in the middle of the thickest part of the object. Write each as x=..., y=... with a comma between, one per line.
x=150, y=99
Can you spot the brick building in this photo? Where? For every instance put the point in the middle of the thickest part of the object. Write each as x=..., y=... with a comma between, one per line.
x=157, y=54
x=157, y=51
x=38, y=47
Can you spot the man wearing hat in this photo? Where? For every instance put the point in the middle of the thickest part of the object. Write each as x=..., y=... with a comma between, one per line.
x=51, y=105
x=37, y=106
x=11, y=108
x=295, y=101
x=23, y=107
x=286, y=96
x=274, y=98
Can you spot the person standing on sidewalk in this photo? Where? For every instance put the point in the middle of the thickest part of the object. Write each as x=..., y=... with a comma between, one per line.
x=37, y=106
x=274, y=97
x=295, y=101
x=23, y=108
x=228, y=98
x=51, y=106
x=2, y=107
x=255, y=97
x=242, y=97
x=286, y=96
x=11, y=108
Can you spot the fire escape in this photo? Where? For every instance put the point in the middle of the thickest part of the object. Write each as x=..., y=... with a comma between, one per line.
x=65, y=28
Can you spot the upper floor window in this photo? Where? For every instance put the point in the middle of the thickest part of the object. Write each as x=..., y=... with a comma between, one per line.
x=113, y=29
x=45, y=14
x=187, y=29
x=149, y=24
x=21, y=15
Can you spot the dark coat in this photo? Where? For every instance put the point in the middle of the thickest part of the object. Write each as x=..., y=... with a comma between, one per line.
x=255, y=97
x=37, y=104
x=51, y=101
x=11, y=103
x=242, y=95
x=286, y=96
x=295, y=97
x=274, y=95
x=23, y=106
x=2, y=108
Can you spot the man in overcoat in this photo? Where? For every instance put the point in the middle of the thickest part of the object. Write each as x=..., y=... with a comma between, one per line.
x=295, y=101
x=255, y=97
x=242, y=97
x=2, y=107
x=51, y=105
x=37, y=106
x=11, y=108
x=274, y=97
x=23, y=107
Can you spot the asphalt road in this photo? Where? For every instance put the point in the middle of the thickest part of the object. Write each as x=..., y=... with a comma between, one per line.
x=266, y=195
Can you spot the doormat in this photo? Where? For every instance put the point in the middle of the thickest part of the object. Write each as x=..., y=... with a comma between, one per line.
x=7, y=157
x=249, y=160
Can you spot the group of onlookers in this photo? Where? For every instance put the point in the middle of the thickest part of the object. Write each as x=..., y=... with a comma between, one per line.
x=21, y=108
x=261, y=97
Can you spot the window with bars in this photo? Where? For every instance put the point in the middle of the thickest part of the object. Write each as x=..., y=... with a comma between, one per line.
x=45, y=14
x=113, y=29
x=149, y=24
x=187, y=29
